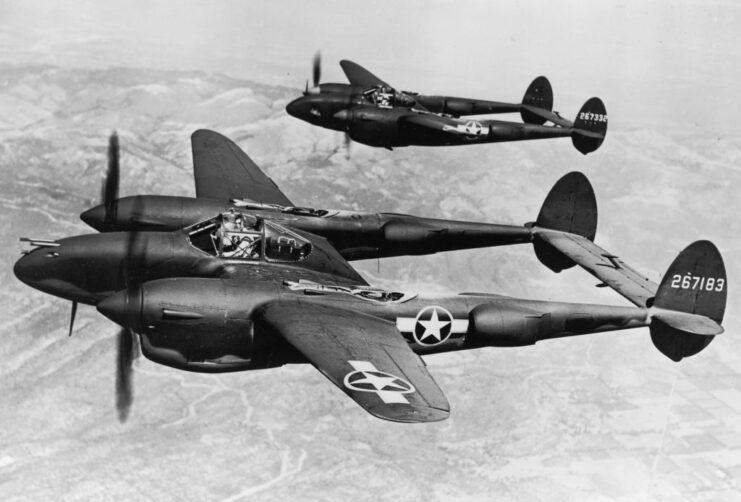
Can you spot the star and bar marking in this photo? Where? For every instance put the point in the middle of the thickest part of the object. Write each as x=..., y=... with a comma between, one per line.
x=432, y=326
x=472, y=129
x=367, y=378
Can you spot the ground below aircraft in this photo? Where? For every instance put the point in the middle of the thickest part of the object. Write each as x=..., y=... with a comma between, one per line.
x=372, y=112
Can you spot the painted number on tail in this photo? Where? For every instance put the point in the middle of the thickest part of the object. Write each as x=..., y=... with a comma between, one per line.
x=593, y=117
x=695, y=282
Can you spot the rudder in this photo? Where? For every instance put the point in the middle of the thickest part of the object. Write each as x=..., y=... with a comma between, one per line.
x=696, y=283
x=539, y=94
x=590, y=126
x=571, y=207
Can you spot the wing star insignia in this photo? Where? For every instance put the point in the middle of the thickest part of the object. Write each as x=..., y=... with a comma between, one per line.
x=365, y=377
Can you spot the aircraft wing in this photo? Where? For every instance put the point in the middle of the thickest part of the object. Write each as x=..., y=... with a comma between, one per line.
x=605, y=266
x=365, y=356
x=325, y=258
x=223, y=171
x=357, y=75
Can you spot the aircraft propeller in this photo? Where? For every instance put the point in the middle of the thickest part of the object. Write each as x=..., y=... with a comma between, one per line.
x=348, y=142
x=126, y=350
x=316, y=68
x=127, y=346
x=316, y=74
x=72, y=318
x=109, y=191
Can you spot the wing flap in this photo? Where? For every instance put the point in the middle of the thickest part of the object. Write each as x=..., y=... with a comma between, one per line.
x=365, y=356
x=602, y=264
x=223, y=171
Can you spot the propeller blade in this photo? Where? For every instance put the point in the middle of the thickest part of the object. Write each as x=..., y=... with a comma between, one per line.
x=110, y=184
x=124, y=363
x=72, y=318
x=128, y=349
x=316, y=66
x=348, y=142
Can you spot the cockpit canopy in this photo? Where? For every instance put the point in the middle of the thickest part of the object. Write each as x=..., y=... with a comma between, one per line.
x=237, y=236
x=384, y=96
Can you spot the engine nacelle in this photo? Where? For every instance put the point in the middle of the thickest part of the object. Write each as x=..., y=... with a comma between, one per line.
x=199, y=324
x=373, y=126
x=492, y=325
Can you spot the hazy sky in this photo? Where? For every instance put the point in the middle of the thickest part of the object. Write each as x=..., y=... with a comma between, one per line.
x=653, y=63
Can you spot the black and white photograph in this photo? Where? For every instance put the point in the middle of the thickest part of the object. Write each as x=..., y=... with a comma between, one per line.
x=329, y=250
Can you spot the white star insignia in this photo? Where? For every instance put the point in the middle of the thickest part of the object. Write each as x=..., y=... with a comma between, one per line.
x=380, y=382
x=433, y=327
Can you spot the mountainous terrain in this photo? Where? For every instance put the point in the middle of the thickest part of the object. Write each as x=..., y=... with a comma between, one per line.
x=605, y=417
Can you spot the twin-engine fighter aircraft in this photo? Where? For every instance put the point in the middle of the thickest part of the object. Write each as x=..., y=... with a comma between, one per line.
x=228, y=294
x=372, y=112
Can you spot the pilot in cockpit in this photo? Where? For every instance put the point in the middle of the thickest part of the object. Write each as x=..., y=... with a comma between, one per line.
x=242, y=246
x=236, y=238
x=229, y=220
x=385, y=96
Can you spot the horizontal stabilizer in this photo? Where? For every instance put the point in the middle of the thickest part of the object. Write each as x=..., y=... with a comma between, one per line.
x=689, y=301
x=688, y=323
x=602, y=264
x=545, y=115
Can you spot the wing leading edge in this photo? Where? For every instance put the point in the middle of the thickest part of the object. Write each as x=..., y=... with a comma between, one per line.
x=365, y=356
x=223, y=171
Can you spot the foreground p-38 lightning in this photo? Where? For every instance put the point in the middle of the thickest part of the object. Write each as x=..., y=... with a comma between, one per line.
x=372, y=112
x=240, y=291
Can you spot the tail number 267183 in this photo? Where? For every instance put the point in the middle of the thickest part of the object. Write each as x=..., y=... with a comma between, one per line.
x=695, y=282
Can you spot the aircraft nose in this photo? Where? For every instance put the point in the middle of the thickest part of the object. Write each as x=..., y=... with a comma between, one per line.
x=26, y=269
x=294, y=108
x=95, y=217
